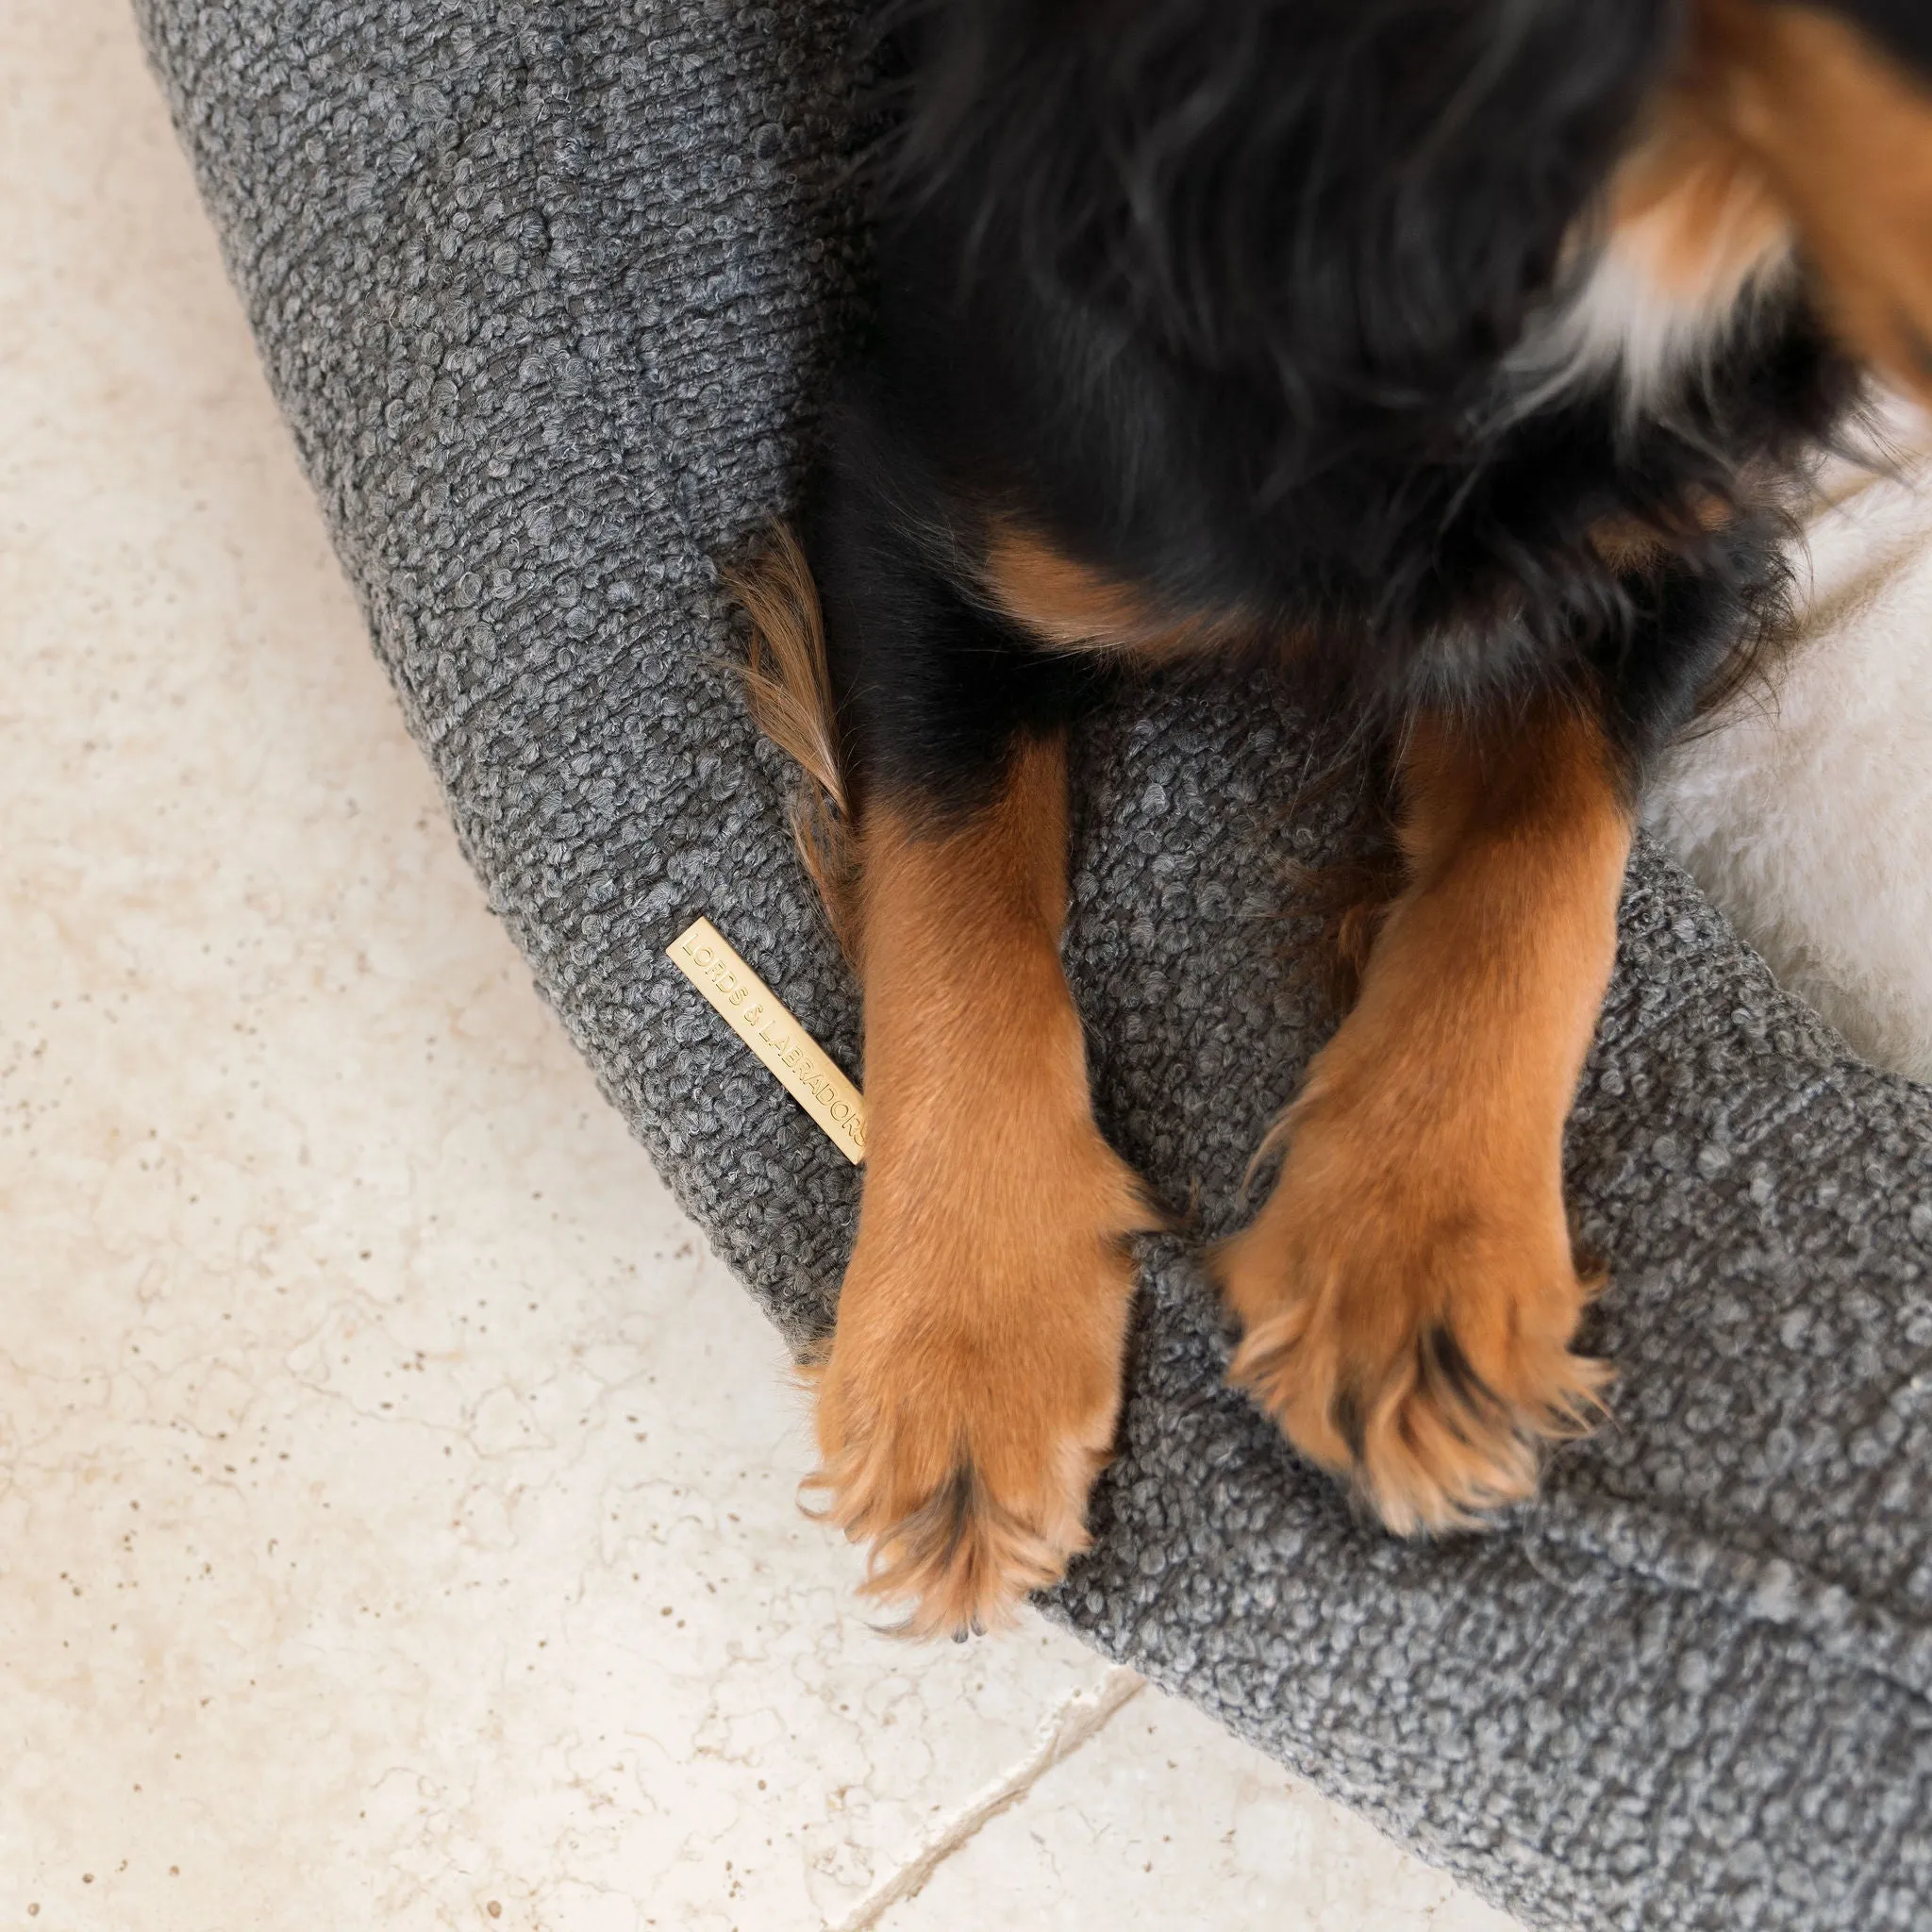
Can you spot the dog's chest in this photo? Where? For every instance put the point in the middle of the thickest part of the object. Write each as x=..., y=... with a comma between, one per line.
x=1690, y=234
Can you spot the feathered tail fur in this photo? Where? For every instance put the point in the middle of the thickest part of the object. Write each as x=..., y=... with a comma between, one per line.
x=788, y=690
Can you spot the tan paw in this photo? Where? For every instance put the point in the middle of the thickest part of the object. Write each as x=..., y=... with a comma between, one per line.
x=971, y=1393
x=1407, y=1314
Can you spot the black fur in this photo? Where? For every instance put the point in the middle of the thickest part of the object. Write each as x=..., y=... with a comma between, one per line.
x=1217, y=294
x=1903, y=26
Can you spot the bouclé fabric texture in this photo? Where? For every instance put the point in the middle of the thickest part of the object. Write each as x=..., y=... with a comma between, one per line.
x=549, y=293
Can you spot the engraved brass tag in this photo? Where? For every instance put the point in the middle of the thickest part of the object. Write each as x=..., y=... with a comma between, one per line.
x=756, y=1014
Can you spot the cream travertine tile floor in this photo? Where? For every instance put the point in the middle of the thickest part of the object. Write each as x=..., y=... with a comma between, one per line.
x=396, y=1500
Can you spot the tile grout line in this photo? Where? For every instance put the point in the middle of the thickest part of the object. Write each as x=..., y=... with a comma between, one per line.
x=1072, y=1721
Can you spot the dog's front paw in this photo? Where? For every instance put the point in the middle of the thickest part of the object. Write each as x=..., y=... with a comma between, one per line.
x=972, y=1389
x=1407, y=1314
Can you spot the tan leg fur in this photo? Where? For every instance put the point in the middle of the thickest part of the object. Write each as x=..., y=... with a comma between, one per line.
x=973, y=1385
x=1408, y=1294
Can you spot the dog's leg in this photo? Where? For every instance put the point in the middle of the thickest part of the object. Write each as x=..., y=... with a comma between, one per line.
x=1408, y=1294
x=972, y=1389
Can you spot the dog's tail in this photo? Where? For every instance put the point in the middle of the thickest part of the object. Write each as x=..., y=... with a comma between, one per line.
x=788, y=690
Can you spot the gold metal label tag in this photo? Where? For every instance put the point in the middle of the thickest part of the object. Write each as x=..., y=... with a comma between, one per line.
x=757, y=1016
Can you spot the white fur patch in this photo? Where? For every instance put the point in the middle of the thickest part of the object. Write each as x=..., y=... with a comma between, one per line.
x=1624, y=320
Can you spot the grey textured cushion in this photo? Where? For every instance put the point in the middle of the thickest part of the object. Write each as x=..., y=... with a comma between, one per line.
x=547, y=293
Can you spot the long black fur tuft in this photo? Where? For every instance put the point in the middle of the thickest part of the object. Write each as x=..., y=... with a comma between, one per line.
x=1351, y=204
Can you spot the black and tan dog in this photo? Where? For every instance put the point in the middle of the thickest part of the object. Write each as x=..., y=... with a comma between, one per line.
x=1468, y=353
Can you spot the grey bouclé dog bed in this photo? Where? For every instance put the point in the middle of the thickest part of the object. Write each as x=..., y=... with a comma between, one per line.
x=548, y=294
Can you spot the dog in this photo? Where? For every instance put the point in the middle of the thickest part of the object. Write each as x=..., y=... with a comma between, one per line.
x=1468, y=359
